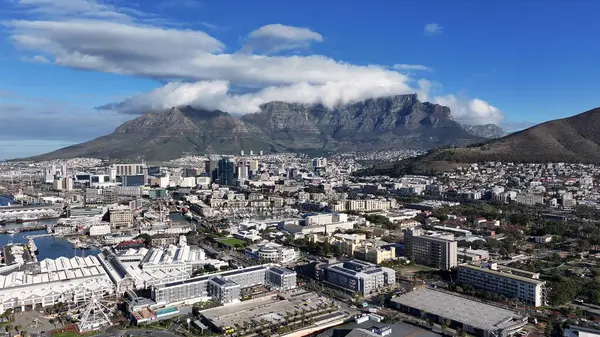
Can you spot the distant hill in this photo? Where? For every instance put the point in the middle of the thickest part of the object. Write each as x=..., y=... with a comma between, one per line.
x=394, y=122
x=571, y=140
x=488, y=131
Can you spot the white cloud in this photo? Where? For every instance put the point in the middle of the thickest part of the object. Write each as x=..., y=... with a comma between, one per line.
x=470, y=111
x=36, y=59
x=198, y=69
x=73, y=8
x=277, y=37
x=415, y=67
x=217, y=95
x=433, y=29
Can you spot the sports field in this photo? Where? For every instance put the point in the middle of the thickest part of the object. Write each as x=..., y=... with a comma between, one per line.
x=232, y=242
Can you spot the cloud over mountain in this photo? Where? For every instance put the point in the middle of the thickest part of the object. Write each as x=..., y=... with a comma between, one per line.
x=200, y=70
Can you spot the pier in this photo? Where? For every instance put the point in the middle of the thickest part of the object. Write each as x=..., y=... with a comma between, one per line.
x=31, y=237
x=26, y=229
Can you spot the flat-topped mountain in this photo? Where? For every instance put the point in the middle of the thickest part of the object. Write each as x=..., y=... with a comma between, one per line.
x=393, y=122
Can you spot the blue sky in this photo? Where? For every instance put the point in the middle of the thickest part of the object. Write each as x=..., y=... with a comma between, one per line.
x=510, y=63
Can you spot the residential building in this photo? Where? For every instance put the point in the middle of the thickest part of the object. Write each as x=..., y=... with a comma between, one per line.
x=431, y=249
x=374, y=254
x=509, y=282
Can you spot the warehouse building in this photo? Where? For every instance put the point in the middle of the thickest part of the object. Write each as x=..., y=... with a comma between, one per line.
x=509, y=282
x=128, y=273
x=48, y=282
x=473, y=317
x=224, y=287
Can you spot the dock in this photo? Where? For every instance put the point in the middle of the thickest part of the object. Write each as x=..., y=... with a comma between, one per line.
x=32, y=237
x=26, y=229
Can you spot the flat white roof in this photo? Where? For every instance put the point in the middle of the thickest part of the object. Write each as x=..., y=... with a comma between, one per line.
x=460, y=309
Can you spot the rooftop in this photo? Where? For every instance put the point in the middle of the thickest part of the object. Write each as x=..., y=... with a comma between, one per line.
x=476, y=314
x=503, y=274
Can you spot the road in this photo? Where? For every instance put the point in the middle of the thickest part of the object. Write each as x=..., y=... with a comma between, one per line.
x=137, y=332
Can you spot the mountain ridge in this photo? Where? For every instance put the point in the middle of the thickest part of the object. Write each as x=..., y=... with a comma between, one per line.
x=399, y=121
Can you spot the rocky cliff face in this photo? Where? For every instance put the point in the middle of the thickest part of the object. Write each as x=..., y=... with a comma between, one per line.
x=379, y=123
x=374, y=124
x=487, y=131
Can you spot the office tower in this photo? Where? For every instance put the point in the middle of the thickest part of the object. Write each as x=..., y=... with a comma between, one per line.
x=226, y=171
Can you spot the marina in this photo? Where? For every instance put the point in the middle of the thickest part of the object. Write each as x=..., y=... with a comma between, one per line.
x=48, y=246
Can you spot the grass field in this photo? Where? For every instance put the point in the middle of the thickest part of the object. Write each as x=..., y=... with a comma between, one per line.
x=232, y=242
x=75, y=334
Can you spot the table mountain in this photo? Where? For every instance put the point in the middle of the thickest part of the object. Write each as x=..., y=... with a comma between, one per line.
x=571, y=140
x=488, y=131
x=399, y=121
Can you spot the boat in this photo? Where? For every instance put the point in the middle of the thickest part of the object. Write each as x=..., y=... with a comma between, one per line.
x=2, y=222
x=32, y=247
x=27, y=218
x=13, y=231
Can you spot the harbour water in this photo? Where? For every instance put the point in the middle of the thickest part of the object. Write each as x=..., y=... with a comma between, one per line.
x=48, y=247
x=5, y=201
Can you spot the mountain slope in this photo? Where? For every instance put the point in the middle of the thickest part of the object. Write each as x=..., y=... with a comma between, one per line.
x=374, y=124
x=572, y=140
x=168, y=134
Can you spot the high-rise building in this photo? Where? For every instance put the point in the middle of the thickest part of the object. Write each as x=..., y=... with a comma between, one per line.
x=226, y=171
x=253, y=165
x=242, y=171
x=431, y=249
x=261, y=152
x=242, y=153
x=319, y=163
x=129, y=169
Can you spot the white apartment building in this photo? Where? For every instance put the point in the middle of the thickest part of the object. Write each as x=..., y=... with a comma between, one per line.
x=431, y=248
x=512, y=283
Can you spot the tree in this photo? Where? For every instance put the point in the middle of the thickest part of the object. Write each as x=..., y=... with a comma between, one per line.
x=146, y=237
